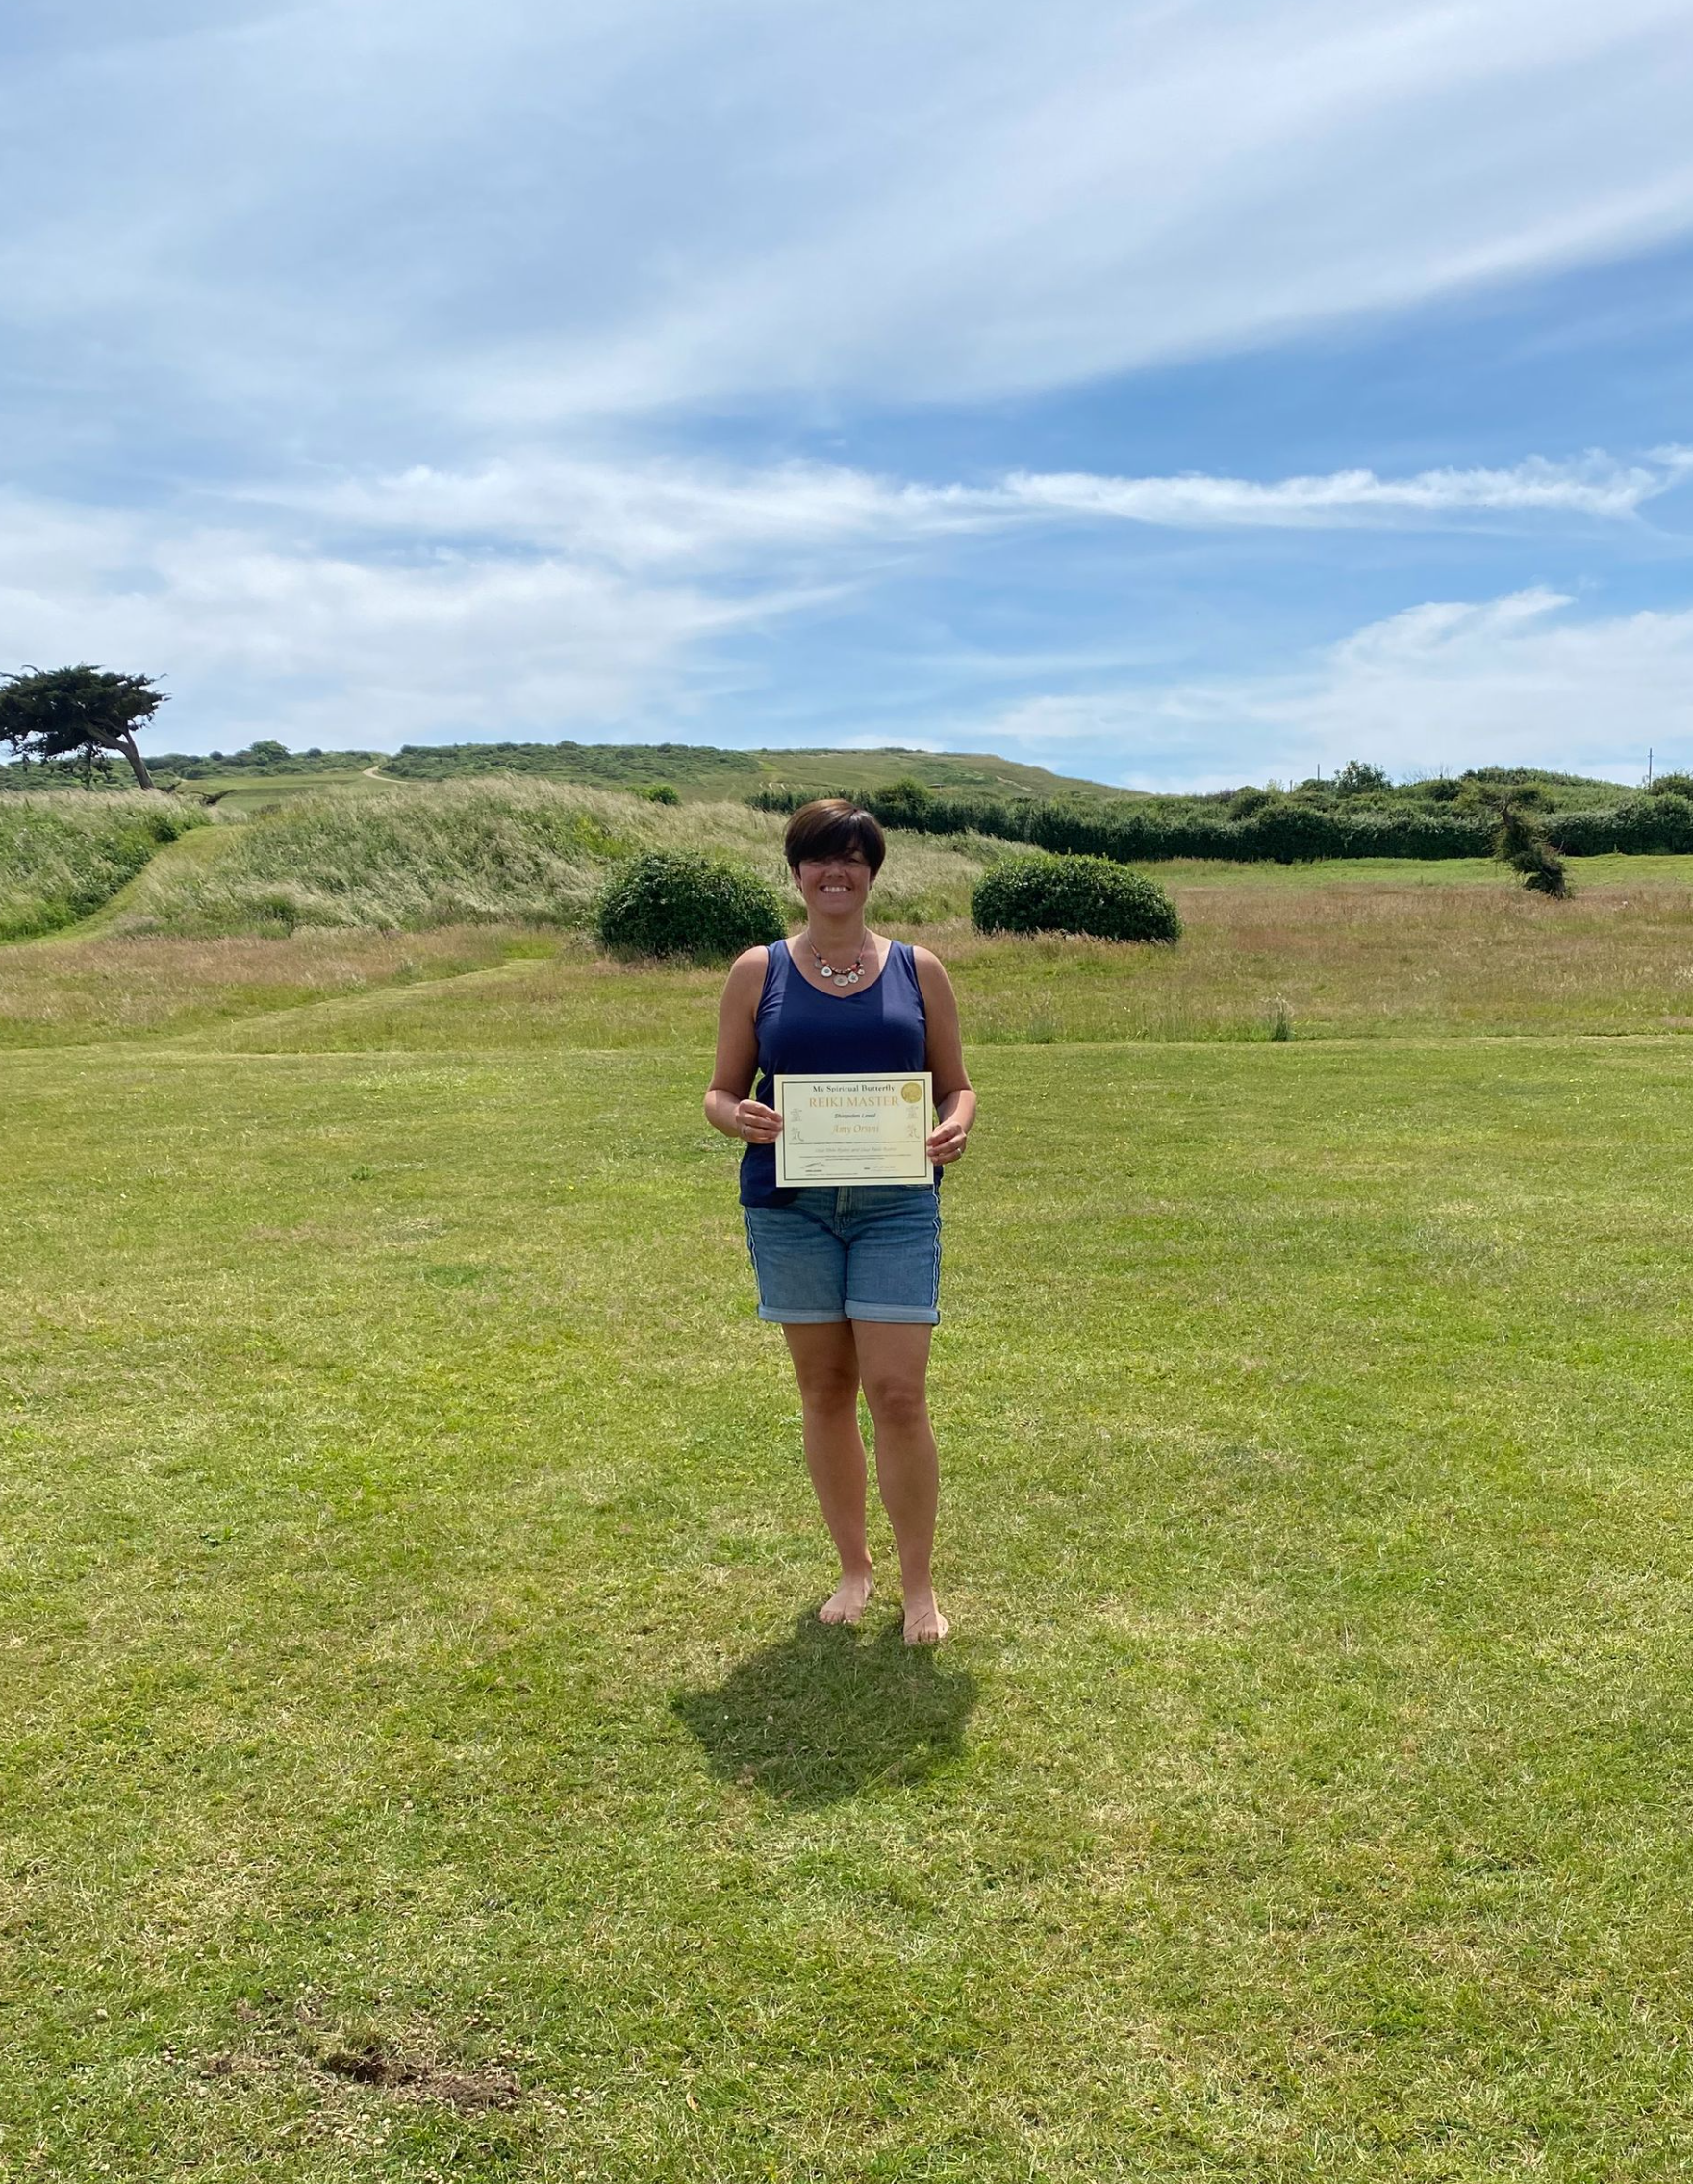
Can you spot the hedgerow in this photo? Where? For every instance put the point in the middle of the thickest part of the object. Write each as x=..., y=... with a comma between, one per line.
x=1281, y=830
x=1642, y=826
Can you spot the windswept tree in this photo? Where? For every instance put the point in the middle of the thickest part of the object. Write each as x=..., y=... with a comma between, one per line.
x=1521, y=844
x=82, y=711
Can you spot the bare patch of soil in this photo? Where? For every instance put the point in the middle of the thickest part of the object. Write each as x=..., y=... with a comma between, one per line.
x=376, y=2066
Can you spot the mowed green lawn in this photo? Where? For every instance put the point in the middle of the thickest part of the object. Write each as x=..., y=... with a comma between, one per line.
x=420, y=1762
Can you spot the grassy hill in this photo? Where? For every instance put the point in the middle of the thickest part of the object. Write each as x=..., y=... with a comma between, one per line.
x=267, y=774
x=700, y=771
x=694, y=769
x=363, y=852
x=410, y=859
x=270, y=773
x=62, y=856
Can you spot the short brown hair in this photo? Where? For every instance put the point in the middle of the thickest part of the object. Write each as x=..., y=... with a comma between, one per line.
x=832, y=826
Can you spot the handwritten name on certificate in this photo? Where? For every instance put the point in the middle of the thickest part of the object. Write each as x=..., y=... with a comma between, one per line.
x=846, y=1130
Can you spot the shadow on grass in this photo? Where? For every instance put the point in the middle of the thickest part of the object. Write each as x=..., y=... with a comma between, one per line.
x=830, y=1711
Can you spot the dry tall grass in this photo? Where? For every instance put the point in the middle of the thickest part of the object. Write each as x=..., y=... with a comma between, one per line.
x=1402, y=952
x=76, y=992
x=482, y=851
x=1357, y=960
x=1343, y=962
x=64, y=853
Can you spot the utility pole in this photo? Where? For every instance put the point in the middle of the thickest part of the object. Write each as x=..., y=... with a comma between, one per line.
x=1649, y=766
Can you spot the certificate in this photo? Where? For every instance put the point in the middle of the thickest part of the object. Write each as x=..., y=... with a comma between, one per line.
x=846, y=1130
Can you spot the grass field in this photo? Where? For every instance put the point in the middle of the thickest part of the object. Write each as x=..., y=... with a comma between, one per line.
x=1395, y=950
x=240, y=795
x=420, y=1763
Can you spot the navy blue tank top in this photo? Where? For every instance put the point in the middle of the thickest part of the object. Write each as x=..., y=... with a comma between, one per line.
x=869, y=1031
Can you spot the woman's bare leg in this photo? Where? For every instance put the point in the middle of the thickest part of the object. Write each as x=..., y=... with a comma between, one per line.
x=893, y=1363
x=825, y=1364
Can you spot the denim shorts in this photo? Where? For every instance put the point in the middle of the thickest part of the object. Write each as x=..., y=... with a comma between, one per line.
x=871, y=1251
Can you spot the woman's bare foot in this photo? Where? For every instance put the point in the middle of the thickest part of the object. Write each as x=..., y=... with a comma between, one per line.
x=847, y=1602
x=925, y=1623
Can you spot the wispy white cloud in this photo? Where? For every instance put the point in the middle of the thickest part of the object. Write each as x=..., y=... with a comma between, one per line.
x=1519, y=679
x=1595, y=487
x=659, y=513
x=536, y=213
x=287, y=238
x=1522, y=676
x=258, y=637
x=543, y=597
x=648, y=514
x=1051, y=197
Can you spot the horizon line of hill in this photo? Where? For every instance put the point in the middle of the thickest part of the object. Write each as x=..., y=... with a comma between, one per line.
x=703, y=770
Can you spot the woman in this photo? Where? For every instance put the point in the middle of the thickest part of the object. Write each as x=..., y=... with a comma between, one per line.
x=851, y=1276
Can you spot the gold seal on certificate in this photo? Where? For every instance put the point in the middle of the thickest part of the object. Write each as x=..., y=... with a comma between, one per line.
x=849, y=1130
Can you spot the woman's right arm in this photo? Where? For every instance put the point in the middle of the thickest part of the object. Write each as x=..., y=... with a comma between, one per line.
x=727, y=1107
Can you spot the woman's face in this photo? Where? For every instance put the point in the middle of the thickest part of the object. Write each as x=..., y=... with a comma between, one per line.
x=834, y=887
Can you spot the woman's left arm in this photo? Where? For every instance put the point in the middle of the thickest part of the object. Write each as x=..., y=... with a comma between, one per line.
x=955, y=1098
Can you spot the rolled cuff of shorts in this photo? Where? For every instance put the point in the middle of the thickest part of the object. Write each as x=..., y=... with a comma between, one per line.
x=797, y=1316
x=896, y=1315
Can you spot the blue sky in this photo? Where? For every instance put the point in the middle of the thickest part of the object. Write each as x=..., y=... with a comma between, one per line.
x=1178, y=394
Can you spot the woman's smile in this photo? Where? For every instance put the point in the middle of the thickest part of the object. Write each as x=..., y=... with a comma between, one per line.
x=845, y=888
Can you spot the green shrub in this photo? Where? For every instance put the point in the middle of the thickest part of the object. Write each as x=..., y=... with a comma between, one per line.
x=905, y=803
x=1673, y=785
x=659, y=792
x=1072, y=894
x=674, y=903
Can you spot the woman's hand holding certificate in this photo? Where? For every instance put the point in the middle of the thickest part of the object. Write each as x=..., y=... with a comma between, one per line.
x=756, y=1123
x=947, y=1143
x=854, y=1130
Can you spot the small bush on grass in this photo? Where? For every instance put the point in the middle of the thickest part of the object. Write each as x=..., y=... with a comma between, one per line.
x=1072, y=894
x=671, y=903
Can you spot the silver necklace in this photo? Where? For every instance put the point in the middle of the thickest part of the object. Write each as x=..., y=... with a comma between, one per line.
x=847, y=977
